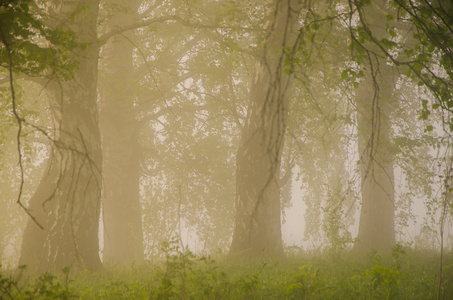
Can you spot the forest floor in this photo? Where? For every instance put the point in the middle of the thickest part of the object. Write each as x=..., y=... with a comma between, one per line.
x=404, y=274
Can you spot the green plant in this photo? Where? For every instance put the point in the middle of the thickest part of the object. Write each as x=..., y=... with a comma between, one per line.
x=405, y=274
x=8, y=287
x=47, y=286
x=174, y=275
x=385, y=282
x=304, y=284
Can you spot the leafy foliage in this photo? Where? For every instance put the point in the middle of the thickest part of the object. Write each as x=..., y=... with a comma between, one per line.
x=36, y=49
x=406, y=274
x=47, y=286
x=417, y=41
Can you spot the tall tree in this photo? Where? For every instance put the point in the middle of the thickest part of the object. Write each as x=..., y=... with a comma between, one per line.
x=258, y=221
x=122, y=219
x=423, y=31
x=374, y=107
x=67, y=201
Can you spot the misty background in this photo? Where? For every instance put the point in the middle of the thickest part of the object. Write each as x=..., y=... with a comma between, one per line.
x=244, y=128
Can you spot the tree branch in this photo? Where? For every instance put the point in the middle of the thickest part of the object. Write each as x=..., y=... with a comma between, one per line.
x=19, y=120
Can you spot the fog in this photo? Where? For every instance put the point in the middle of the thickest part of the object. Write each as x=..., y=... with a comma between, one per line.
x=239, y=129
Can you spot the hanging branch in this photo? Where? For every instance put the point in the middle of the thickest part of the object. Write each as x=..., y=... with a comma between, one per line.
x=19, y=121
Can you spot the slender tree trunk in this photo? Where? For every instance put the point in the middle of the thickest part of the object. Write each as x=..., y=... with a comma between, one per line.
x=123, y=234
x=67, y=200
x=258, y=221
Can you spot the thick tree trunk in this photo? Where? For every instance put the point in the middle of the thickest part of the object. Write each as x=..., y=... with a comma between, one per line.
x=258, y=222
x=67, y=200
x=376, y=227
x=374, y=108
x=123, y=234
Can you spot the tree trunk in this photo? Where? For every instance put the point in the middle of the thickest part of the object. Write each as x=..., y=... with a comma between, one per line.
x=376, y=227
x=67, y=200
x=123, y=234
x=258, y=221
x=374, y=105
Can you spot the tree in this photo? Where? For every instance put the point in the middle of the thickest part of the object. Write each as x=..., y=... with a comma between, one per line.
x=258, y=223
x=419, y=29
x=174, y=79
x=374, y=107
x=190, y=122
x=121, y=211
x=67, y=201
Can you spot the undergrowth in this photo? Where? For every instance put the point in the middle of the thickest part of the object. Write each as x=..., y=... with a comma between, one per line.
x=405, y=274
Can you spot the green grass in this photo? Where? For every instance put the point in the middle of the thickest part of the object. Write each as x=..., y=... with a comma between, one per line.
x=405, y=274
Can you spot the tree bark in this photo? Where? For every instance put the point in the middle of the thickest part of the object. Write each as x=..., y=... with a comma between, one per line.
x=123, y=234
x=374, y=105
x=376, y=227
x=258, y=222
x=67, y=200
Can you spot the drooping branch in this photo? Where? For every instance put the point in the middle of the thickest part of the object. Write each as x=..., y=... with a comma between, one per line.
x=19, y=121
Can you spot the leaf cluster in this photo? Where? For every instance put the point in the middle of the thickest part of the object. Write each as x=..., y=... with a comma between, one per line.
x=31, y=47
x=46, y=286
x=417, y=40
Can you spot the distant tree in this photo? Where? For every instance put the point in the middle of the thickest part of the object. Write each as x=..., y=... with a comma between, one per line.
x=374, y=107
x=191, y=112
x=374, y=98
x=121, y=211
x=394, y=40
x=258, y=221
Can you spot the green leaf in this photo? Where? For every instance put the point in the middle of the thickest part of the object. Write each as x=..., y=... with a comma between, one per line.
x=24, y=7
x=424, y=114
x=450, y=103
x=388, y=44
x=425, y=103
x=359, y=59
x=392, y=32
x=417, y=66
x=409, y=73
x=344, y=74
